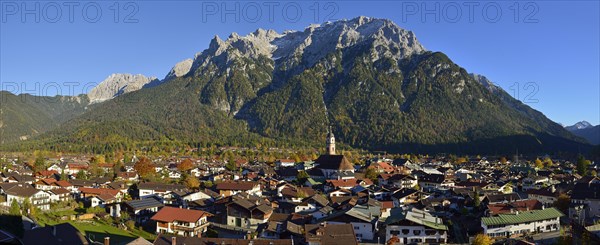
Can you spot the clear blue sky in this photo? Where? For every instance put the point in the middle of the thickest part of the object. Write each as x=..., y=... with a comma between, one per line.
x=552, y=44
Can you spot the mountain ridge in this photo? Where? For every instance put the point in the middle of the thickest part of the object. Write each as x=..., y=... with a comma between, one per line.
x=371, y=80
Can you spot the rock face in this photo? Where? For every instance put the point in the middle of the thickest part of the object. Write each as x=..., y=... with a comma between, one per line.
x=118, y=84
x=314, y=43
x=180, y=69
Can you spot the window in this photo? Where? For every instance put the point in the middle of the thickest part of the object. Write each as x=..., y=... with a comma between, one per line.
x=392, y=232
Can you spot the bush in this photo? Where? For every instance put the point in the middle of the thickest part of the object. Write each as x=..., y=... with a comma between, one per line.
x=130, y=224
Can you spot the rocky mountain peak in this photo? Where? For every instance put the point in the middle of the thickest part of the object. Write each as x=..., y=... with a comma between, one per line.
x=180, y=69
x=118, y=84
x=579, y=125
x=383, y=36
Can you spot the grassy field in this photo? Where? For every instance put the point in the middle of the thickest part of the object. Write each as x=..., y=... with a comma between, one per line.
x=94, y=229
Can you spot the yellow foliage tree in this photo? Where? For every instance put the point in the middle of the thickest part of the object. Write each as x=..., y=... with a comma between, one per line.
x=482, y=239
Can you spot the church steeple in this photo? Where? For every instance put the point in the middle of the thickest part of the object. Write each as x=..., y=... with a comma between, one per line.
x=330, y=142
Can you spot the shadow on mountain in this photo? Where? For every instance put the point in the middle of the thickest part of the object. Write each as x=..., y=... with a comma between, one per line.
x=524, y=144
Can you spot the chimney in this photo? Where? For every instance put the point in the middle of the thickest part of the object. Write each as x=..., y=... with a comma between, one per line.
x=106, y=240
x=173, y=240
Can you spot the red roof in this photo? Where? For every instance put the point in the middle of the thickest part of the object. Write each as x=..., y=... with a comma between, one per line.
x=387, y=204
x=63, y=183
x=46, y=173
x=343, y=182
x=170, y=214
x=98, y=191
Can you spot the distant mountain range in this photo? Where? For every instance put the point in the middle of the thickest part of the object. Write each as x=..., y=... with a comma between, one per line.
x=371, y=80
x=587, y=131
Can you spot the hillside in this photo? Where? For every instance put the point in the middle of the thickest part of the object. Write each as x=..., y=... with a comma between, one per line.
x=372, y=81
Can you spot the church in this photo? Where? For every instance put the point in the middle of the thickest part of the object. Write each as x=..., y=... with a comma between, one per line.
x=332, y=165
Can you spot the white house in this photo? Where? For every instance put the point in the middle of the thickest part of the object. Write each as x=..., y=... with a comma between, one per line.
x=415, y=227
x=519, y=223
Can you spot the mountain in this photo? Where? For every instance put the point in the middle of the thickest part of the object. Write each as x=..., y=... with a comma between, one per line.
x=118, y=84
x=579, y=125
x=24, y=116
x=587, y=131
x=371, y=80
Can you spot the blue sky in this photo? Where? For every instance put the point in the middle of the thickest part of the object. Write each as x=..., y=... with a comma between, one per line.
x=546, y=54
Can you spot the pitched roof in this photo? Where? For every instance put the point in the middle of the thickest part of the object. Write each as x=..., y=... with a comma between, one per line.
x=170, y=214
x=98, y=191
x=416, y=216
x=334, y=162
x=236, y=185
x=21, y=190
x=522, y=217
x=65, y=234
x=144, y=203
x=166, y=240
x=342, y=234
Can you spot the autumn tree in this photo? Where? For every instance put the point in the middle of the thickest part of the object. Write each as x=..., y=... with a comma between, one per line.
x=371, y=174
x=482, y=239
x=192, y=182
x=503, y=160
x=538, y=163
x=185, y=165
x=144, y=167
x=562, y=203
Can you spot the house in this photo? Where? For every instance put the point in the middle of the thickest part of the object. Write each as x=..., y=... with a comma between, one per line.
x=247, y=211
x=311, y=204
x=520, y=223
x=59, y=195
x=433, y=182
x=160, y=190
x=534, y=182
x=405, y=196
x=324, y=233
x=231, y=188
x=362, y=218
x=142, y=209
x=382, y=167
x=585, y=199
x=20, y=192
x=511, y=207
x=102, y=200
x=183, y=222
x=335, y=167
x=398, y=180
x=546, y=196
x=414, y=226
x=284, y=163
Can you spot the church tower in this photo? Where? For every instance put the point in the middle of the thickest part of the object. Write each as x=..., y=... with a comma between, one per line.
x=330, y=142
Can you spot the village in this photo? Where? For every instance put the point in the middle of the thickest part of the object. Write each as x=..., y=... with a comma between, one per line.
x=327, y=200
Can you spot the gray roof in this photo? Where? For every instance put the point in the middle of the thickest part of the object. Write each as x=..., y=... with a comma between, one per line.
x=144, y=203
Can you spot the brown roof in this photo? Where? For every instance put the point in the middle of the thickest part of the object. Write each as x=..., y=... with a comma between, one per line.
x=335, y=162
x=523, y=205
x=98, y=191
x=170, y=214
x=166, y=240
x=331, y=234
x=60, y=191
x=236, y=185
